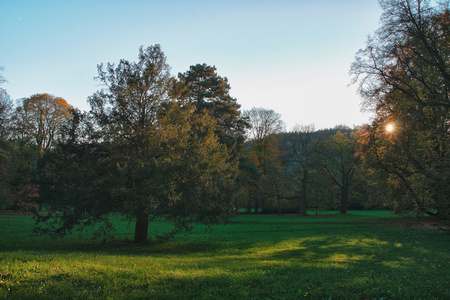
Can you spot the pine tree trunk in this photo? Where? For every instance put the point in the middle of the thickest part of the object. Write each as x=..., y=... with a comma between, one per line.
x=141, y=229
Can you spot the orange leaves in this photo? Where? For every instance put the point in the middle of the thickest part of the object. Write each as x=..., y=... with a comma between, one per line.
x=24, y=197
x=40, y=118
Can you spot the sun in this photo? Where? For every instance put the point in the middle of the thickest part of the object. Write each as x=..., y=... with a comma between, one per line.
x=389, y=128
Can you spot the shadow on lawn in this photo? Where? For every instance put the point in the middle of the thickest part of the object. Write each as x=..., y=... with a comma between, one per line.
x=341, y=262
x=317, y=267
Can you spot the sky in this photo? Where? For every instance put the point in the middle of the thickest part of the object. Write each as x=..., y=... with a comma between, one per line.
x=289, y=56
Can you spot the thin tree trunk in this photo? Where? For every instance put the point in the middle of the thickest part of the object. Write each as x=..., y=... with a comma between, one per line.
x=303, y=200
x=344, y=198
x=302, y=207
x=141, y=229
x=250, y=201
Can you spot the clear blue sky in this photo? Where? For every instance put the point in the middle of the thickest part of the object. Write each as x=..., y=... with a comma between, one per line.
x=289, y=56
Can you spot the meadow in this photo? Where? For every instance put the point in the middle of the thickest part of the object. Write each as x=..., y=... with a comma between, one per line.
x=361, y=255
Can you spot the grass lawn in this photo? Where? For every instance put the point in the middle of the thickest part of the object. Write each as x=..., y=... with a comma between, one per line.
x=361, y=255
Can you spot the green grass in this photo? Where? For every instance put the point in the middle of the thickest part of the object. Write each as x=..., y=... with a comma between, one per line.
x=361, y=255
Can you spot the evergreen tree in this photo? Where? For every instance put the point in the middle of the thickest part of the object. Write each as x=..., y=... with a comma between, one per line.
x=210, y=92
x=138, y=153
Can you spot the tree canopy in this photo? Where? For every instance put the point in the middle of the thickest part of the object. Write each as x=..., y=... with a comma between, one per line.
x=210, y=92
x=404, y=77
x=139, y=153
x=39, y=118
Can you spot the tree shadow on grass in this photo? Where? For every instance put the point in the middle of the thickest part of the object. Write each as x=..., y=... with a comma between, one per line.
x=342, y=262
x=318, y=268
x=368, y=267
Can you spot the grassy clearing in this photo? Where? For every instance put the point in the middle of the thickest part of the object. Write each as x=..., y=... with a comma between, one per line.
x=356, y=256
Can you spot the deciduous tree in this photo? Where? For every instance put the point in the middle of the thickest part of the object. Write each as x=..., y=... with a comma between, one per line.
x=302, y=156
x=263, y=146
x=340, y=162
x=5, y=145
x=39, y=118
x=404, y=77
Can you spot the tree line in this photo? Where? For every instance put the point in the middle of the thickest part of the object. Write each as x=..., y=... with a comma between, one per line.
x=302, y=169
x=157, y=146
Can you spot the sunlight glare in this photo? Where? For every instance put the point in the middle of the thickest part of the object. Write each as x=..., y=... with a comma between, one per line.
x=389, y=128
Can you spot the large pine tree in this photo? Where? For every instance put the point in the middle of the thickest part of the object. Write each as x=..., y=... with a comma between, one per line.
x=139, y=153
x=210, y=92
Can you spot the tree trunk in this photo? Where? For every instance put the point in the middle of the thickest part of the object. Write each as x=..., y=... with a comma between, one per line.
x=344, y=198
x=301, y=210
x=303, y=201
x=141, y=229
x=250, y=201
